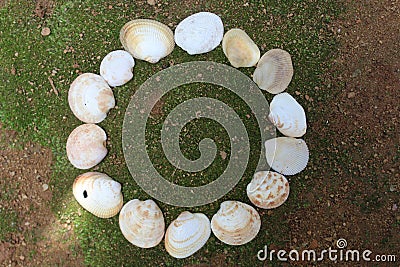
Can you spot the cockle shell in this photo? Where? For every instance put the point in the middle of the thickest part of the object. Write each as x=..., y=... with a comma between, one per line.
x=187, y=234
x=199, y=33
x=116, y=67
x=86, y=146
x=274, y=71
x=98, y=193
x=90, y=98
x=147, y=39
x=142, y=223
x=235, y=223
x=268, y=189
x=240, y=49
x=287, y=155
x=288, y=115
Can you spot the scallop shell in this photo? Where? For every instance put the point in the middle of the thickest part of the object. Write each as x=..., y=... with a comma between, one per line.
x=90, y=98
x=187, y=234
x=235, y=223
x=287, y=155
x=116, y=67
x=142, y=223
x=240, y=50
x=86, y=146
x=288, y=115
x=98, y=193
x=147, y=39
x=199, y=33
x=274, y=71
x=268, y=189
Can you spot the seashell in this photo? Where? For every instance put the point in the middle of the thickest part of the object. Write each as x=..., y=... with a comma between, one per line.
x=288, y=115
x=116, y=67
x=199, y=33
x=98, y=193
x=142, y=223
x=268, y=189
x=147, y=39
x=274, y=71
x=240, y=50
x=187, y=234
x=86, y=146
x=235, y=223
x=90, y=98
x=287, y=155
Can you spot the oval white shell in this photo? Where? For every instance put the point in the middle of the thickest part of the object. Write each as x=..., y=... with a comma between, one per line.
x=142, y=223
x=235, y=223
x=86, y=146
x=287, y=155
x=268, y=189
x=187, y=234
x=90, y=98
x=274, y=71
x=116, y=67
x=98, y=193
x=199, y=33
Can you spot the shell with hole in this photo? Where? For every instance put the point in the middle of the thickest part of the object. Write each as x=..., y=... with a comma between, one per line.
x=240, y=49
x=147, y=39
x=187, y=234
x=235, y=223
x=90, y=98
x=98, y=193
x=142, y=223
x=116, y=68
x=274, y=71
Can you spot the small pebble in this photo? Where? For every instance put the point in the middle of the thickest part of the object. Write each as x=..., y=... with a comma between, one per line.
x=351, y=95
x=151, y=2
x=394, y=208
x=45, y=187
x=45, y=31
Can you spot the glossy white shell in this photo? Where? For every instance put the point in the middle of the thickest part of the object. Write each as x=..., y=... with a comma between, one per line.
x=116, y=67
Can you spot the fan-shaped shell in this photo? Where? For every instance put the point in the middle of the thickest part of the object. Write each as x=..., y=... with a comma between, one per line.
x=274, y=71
x=86, y=146
x=287, y=155
x=199, y=33
x=142, y=223
x=187, y=234
x=98, y=193
x=146, y=39
x=90, y=98
x=288, y=115
x=235, y=223
x=240, y=49
x=116, y=67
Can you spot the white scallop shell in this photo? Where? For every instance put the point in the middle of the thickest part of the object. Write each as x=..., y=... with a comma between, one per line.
x=142, y=223
x=199, y=33
x=90, y=98
x=187, y=234
x=287, y=155
x=98, y=193
x=235, y=223
x=116, y=67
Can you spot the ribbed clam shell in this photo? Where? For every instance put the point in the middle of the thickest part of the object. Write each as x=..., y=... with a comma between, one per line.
x=187, y=234
x=90, y=98
x=287, y=155
x=199, y=33
x=116, y=67
x=146, y=39
x=274, y=71
x=288, y=115
x=98, y=193
x=268, y=189
x=240, y=49
x=142, y=223
x=235, y=223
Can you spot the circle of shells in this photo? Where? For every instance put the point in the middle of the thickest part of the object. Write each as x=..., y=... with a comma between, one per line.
x=142, y=223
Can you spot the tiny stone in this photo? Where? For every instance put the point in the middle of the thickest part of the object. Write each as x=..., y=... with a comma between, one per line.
x=45, y=187
x=222, y=154
x=394, y=208
x=21, y=258
x=45, y=31
x=351, y=95
x=151, y=2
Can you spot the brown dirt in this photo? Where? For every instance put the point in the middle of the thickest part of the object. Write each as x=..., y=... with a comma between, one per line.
x=44, y=8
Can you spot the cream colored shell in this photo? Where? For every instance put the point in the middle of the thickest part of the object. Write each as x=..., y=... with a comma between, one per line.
x=116, y=67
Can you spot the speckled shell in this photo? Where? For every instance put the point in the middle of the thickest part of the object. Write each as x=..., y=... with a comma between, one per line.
x=98, y=193
x=235, y=223
x=116, y=67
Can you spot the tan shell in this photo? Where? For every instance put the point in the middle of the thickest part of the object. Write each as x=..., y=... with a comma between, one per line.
x=86, y=146
x=240, y=49
x=235, y=223
x=268, y=189
x=98, y=193
x=116, y=67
